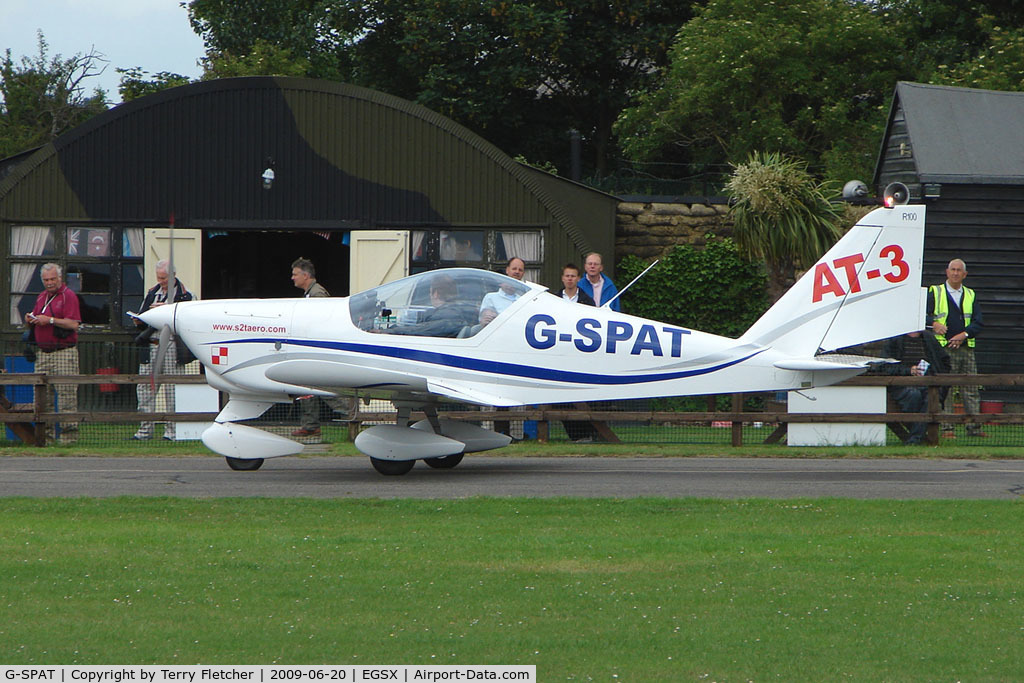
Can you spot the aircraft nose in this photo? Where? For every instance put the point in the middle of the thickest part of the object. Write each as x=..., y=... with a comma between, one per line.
x=159, y=316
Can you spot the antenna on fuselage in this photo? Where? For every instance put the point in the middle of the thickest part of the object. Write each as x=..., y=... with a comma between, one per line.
x=621, y=291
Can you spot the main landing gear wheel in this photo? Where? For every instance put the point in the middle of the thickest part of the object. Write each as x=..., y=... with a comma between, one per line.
x=392, y=467
x=445, y=462
x=244, y=464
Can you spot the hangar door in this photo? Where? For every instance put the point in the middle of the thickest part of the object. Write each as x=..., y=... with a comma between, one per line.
x=378, y=256
x=188, y=256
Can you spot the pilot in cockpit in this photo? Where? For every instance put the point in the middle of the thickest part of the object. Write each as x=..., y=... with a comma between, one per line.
x=446, y=318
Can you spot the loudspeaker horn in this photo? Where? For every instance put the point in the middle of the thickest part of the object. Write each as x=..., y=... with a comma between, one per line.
x=895, y=193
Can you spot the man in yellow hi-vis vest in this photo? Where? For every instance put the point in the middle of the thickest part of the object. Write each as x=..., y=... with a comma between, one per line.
x=956, y=320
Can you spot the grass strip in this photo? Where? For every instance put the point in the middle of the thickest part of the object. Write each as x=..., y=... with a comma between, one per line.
x=646, y=589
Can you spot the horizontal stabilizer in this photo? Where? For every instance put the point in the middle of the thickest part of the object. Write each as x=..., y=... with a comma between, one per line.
x=475, y=437
x=391, y=442
x=835, y=361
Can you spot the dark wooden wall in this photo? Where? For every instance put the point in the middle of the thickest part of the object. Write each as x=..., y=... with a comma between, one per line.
x=983, y=224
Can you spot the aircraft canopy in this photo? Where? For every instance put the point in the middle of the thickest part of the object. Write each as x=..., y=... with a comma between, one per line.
x=438, y=303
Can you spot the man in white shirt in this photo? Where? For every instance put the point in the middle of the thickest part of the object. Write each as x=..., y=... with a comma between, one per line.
x=495, y=302
x=570, y=286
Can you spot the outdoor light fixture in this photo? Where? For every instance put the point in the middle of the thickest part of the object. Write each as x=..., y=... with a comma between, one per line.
x=855, y=191
x=932, y=190
x=268, y=174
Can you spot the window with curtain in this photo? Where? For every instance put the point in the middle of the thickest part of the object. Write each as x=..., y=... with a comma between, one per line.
x=462, y=246
x=102, y=265
x=478, y=248
x=527, y=245
x=132, y=275
x=27, y=241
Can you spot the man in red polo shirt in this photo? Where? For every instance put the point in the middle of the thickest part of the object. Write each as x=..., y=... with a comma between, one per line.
x=56, y=317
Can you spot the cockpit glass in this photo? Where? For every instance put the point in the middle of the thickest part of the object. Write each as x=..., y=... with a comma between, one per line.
x=438, y=303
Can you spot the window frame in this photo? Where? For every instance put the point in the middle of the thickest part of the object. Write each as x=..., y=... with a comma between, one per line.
x=114, y=260
x=431, y=242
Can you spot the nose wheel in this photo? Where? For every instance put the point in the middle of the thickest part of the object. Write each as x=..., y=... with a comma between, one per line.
x=244, y=464
x=392, y=468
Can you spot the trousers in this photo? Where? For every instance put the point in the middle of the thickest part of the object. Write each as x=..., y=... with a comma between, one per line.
x=61, y=362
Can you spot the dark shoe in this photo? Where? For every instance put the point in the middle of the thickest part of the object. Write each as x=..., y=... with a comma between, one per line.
x=306, y=432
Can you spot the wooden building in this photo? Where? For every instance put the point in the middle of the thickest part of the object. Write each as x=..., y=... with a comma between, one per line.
x=960, y=152
x=255, y=172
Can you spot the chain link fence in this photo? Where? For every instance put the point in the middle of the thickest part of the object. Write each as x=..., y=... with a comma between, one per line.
x=111, y=389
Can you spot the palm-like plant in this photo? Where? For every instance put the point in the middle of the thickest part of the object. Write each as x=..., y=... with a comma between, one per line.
x=782, y=214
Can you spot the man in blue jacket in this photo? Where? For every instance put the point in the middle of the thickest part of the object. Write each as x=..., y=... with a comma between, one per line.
x=911, y=349
x=596, y=284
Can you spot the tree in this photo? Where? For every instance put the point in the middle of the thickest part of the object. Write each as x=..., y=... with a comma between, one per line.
x=262, y=59
x=478, y=63
x=808, y=78
x=312, y=32
x=998, y=66
x=134, y=83
x=44, y=96
x=522, y=75
x=939, y=34
x=782, y=215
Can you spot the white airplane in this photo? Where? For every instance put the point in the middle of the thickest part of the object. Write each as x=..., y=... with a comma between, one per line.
x=416, y=341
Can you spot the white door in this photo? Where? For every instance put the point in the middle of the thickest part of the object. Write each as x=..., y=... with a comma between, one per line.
x=378, y=256
x=188, y=256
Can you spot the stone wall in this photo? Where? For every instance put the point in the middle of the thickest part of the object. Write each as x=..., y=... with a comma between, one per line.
x=649, y=230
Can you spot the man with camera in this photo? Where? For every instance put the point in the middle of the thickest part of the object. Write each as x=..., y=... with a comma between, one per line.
x=54, y=322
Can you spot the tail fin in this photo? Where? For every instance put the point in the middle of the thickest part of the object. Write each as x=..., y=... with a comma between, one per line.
x=867, y=287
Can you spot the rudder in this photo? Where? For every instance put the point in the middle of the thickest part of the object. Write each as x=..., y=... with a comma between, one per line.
x=866, y=287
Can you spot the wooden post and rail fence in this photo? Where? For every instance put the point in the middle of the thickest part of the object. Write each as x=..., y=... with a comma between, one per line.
x=28, y=421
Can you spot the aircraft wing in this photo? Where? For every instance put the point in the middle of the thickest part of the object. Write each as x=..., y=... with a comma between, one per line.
x=334, y=375
x=338, y=375
x=469, y=392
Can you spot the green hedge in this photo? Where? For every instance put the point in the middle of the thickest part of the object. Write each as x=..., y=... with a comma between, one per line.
x=711, y=289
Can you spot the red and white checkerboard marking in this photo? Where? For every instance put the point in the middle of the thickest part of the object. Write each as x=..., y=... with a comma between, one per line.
x=219, y=355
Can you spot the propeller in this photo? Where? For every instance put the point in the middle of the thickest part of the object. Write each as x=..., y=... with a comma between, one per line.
x=165, y=331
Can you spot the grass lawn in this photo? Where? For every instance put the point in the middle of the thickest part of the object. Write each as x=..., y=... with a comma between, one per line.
x=638, y=590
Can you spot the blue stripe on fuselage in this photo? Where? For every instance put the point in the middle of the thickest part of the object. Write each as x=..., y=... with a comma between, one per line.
x=492, y=367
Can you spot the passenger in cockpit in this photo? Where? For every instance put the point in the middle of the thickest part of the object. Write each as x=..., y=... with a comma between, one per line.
x=496, y=302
